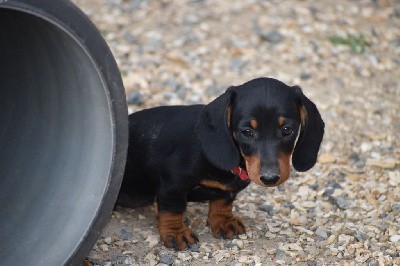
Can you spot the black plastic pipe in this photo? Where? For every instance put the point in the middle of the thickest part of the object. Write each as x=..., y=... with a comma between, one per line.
x=63, y=133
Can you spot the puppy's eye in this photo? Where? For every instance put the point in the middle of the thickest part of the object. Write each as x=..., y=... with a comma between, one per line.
x=287, y=130
x=248, y=133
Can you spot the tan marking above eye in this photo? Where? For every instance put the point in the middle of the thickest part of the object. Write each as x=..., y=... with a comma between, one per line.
x=253, y=123
x=281, y=121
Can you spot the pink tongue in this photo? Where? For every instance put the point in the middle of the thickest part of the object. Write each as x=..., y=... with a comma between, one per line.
x=241, y=173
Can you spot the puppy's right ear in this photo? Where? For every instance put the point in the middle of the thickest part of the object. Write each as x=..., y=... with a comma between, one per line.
x=214, y=133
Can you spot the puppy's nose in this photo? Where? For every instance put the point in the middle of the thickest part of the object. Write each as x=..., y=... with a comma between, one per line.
x=269, y=179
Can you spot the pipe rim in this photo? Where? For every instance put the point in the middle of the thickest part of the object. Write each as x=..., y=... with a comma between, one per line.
x=59, y=14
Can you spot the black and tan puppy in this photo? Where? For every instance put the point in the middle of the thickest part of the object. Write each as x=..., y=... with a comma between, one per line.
x=211, y=152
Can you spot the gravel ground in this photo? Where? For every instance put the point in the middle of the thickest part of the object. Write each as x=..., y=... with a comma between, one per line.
x=346, y=57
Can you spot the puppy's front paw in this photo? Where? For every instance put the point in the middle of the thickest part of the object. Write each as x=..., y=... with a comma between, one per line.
x=221, y=220
x=173, y=233
x=226, y=227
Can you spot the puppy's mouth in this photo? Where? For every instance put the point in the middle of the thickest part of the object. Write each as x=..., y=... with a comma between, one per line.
x=271, y=179
x=267, y=176
x=268, y=181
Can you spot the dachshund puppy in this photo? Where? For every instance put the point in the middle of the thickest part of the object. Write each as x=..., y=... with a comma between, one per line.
x=211, y=152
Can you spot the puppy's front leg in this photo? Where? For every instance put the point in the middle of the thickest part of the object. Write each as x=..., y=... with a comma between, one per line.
x=173, y=232
x=221, y=220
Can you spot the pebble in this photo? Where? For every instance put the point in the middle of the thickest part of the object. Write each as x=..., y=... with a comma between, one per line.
x=240, y=244
x=327, y=159
x=339, y=201
x=267, y=208
x=395, y=238
x=272, y=36
x=125, y=234
x=322, y=233
x=135, y=98
x=153, y=240
x=281, y=255
x=108, y=240
x=382, y=163
x=104, y=247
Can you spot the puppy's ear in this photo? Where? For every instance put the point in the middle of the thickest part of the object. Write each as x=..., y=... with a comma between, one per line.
x=214, y=134
x=311, y=134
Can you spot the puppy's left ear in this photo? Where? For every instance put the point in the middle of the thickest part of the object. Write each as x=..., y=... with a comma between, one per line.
x=311, y=134
x=214, y=133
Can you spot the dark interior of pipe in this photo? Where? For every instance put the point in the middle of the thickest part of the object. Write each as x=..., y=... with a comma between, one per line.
x=56, y=141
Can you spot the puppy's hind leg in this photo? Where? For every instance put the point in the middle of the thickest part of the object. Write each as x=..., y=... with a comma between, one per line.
x=136, y=190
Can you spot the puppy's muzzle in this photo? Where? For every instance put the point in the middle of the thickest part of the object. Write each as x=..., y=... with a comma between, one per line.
x=269, y=180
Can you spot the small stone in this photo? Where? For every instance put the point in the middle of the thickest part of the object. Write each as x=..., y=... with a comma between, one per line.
x=292, y=246
x=108, y=240
x=128, y=252
x=135, y=98
x=194, y=248
x=345, y=239
x=382, y=163
x=366, y=147
x=240, y=244
x=362, y=258
x=129, y=261
x=395, y=238
x=273, y=229
x=340, y=202
x=322, y=233
x=281, y=255
x=305, y=75
x=361, y=236
x=326, y=159
x=119, y=243
x=371, y=199
x=243, y=259
x=152, y=259
x=125, y=234
x=104, y=247
x=355, y=178
x=237, y=64
x=184, y=256
x=153, y=240
x=267, y=208
x=394, y=179
x=396, y=207
x=243, y=236
x=331, y=239
x=272, y=36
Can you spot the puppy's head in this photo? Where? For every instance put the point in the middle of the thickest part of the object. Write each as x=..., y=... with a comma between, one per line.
x=265, y=124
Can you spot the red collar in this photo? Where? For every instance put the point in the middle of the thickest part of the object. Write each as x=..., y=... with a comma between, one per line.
x=241, y=173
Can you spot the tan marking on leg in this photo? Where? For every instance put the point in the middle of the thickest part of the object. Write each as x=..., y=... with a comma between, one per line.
x=221, y=220
x=214, y=184
x=173, y=233
x=253, y=124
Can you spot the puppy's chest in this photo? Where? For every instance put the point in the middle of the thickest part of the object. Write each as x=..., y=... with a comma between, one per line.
x=226, y=182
